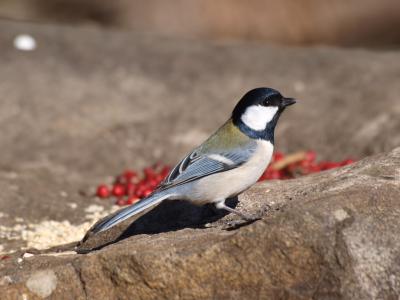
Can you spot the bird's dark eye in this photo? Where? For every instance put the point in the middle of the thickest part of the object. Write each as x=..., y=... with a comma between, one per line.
x=272, y=100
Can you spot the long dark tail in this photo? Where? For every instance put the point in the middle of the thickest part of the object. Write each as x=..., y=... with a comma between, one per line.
x=143, y=205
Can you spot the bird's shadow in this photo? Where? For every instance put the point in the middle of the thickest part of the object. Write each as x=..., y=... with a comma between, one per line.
x=168, y=216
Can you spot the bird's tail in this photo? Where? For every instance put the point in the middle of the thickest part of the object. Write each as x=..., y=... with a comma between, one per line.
x=137, y=208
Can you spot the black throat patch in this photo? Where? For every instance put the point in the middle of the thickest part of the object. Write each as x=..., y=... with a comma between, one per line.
x=266, y=134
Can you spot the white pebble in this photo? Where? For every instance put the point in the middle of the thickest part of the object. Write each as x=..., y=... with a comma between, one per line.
x=94, y=208
x=27, y=255
x=340, y=215
x=24, y=42
x=73, y=205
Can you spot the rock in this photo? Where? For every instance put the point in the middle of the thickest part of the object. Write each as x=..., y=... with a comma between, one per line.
x=332, y=235
x=88, y=103
x=42, y=283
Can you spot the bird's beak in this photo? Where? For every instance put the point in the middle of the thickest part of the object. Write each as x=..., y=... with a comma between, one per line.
x=288, y=101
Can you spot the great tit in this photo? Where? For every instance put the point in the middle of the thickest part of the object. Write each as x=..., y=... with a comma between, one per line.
x=226, y=164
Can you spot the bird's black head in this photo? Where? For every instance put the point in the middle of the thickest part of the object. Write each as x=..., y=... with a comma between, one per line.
x=257, y=113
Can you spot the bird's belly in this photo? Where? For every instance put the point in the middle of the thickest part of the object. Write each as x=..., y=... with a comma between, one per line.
x=226, y=184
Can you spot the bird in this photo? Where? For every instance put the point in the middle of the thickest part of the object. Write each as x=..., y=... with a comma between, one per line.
x=229, y=162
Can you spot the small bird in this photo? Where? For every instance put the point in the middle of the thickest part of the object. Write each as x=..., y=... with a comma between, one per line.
x=229, y=162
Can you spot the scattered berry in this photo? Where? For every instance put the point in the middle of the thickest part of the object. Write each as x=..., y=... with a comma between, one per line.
x=147, y=192
x=129, y=175
x=102, y=191
x=130, y=186
x=132, y=200
x=130, y=189
x=118, y=190
x=121, y=202
x=310, y=156
x=298, y=164
x=277, y=156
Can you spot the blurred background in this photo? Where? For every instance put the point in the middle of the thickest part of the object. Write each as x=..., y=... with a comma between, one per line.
x=306, y=22
x=89, y=76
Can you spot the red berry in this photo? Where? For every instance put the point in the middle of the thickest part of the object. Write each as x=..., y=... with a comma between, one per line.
x=314, y=169
x=278, y=156
x=130, y=188
x=120, y=180
x=275, y=174
x=102, y=191
x=158, y=178
x=311, y=156
x=118, y=190
x=140, y=190
x=148, y=172
x=347, y=162
x=129, y=175
x=305, y=163
x=142, y=183
x=121, y=202
x=332, y=165
x=147, y=192
x=292, y=168
x=153, y=183
x=132, y=200
x=164, y=171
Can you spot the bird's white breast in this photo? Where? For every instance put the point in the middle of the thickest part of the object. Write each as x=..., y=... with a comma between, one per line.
x=226, y=184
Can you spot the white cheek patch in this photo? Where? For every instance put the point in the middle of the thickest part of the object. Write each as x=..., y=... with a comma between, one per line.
x=257, y=117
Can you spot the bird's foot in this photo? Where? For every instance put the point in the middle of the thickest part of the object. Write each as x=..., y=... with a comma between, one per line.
x=244, y=216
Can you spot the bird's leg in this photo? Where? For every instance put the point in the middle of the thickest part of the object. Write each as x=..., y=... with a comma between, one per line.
x=222, y=205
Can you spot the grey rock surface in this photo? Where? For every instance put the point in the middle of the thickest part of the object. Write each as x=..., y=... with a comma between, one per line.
x=332, y=235
x=89, y=103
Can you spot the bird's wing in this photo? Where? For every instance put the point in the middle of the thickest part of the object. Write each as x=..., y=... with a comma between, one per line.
x=199, y=164
x=196, y=165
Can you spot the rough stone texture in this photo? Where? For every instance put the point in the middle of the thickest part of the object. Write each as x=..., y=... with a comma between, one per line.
x=42, y=283
x=332, y=235
x=88, y=103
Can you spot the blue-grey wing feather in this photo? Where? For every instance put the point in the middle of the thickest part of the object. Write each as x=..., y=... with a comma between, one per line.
x=199, y=164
